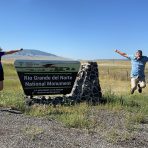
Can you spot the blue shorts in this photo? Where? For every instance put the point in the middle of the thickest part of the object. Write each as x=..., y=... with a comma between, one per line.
x=1, y=75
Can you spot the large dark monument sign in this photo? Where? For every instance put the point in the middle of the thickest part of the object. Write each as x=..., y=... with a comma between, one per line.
x=39, y=77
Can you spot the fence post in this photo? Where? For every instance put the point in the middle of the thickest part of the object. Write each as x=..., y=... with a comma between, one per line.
x=127, y=75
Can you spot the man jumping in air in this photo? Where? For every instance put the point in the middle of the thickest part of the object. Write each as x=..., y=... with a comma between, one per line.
x=1, y=68
x=138, y=62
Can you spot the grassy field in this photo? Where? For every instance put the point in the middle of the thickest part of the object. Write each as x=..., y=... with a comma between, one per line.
x=117, y=120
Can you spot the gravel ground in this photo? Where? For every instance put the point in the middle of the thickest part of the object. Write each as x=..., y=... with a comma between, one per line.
x=21, y=131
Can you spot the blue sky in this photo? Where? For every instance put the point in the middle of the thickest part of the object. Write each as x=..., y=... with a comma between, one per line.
x=78, y=29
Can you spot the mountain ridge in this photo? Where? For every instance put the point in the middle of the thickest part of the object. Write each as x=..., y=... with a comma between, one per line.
x=34, y=54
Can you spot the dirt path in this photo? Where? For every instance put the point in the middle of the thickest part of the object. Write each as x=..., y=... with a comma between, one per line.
x=20, y=131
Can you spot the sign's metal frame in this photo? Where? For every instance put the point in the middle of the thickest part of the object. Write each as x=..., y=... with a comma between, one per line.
x=47, y=77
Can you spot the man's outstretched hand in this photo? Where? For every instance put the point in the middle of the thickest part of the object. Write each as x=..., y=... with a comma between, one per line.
x=116, y=50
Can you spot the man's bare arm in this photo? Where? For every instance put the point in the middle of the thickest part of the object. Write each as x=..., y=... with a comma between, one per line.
x=12, y=51
x=121, y=53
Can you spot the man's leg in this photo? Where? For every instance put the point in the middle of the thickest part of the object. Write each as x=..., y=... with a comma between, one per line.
x=141, y=84
x=1, y=85
x=134, y=83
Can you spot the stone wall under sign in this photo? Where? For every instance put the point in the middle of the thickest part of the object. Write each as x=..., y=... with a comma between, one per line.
x=87, y=86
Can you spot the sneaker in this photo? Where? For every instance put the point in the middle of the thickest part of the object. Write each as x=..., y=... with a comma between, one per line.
x=132, y=91
x=139, y=89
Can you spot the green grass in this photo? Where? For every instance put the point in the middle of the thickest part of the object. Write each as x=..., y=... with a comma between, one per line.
x=135, y=105
x=12, y=98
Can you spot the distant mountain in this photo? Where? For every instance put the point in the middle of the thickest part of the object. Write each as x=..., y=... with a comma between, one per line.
x=32, y=52
x=35, y=55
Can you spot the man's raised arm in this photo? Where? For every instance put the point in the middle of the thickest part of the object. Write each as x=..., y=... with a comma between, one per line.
x=121, y=53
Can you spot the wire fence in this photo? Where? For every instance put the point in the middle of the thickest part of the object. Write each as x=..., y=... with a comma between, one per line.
x=119, y=71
